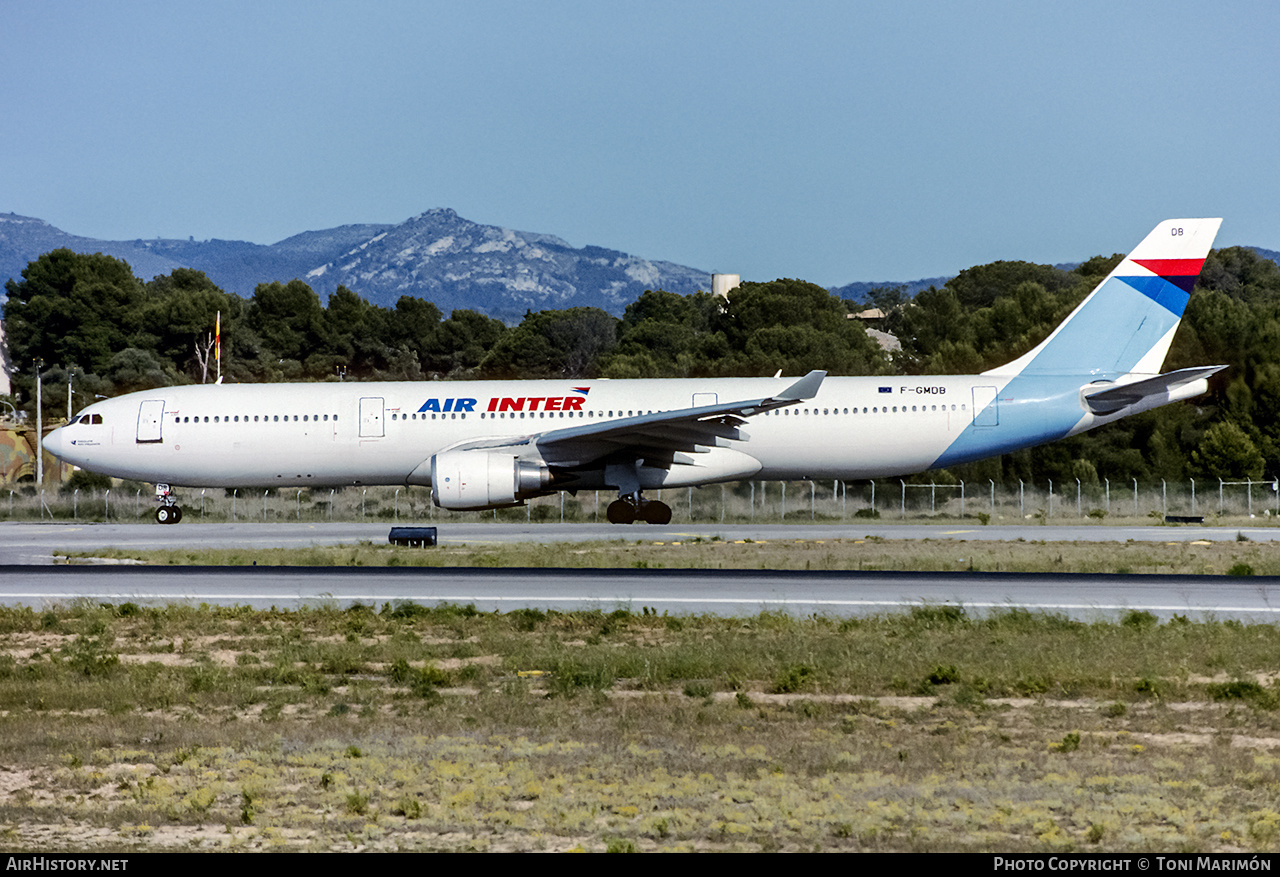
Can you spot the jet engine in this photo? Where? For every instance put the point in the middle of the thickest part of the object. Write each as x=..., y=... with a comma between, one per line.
x=469, y=480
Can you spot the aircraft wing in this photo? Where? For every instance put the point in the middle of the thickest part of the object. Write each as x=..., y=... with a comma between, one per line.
x=657, y=435
x=1117, y=396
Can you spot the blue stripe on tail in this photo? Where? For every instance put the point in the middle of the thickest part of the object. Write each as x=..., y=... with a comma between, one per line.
x=1119, y=324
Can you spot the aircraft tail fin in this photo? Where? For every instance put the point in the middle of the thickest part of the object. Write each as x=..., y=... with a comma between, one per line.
x=1125, y=326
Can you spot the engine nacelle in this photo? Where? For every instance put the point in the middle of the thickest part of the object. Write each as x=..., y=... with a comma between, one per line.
x=470, y=480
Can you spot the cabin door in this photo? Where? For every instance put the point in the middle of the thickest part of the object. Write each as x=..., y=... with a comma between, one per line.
x=985, y=410
x=371, y=417
x=150, y=421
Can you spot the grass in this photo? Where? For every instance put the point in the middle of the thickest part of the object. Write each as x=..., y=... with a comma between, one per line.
x=414, y=727
x=1196, y=558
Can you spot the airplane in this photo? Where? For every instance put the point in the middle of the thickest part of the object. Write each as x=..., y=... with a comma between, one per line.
x=495, y=444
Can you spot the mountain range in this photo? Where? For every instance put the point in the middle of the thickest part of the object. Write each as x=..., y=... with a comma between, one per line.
x=437, y=255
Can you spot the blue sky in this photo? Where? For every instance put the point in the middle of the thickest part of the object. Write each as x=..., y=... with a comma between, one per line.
x=831, y=141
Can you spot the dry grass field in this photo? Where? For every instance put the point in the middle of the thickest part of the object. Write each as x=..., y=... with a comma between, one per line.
x=440, y=728
x=870, y=553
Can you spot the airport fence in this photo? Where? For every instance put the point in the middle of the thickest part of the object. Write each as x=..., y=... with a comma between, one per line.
x=799, y=502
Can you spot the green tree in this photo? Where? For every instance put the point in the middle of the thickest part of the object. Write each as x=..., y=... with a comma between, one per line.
x=290, y=323
x=794, y=326
x=980, y=286
x=553, y=344
x=1227, y=452
x=1241, y=273
x=135, y=369
x=72, y=309
x=461, y=342
x=414, y=326
x=182, y=310
x=667, y=335
x=361, y=337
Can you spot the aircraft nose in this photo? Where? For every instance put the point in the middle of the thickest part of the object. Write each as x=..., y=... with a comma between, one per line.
x=53, y=442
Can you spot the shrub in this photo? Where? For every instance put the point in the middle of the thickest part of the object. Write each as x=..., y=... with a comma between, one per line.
x=90, y=653
x=1147, y=685
x=1139, y=619
x=1246, y=690
x=943, y=674
x=792, y=679
x=697, y=689
x=358, y=804
x=569, y=680
x=937, y=614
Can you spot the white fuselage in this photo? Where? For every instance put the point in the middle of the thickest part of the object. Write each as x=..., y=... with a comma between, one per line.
x=496, y=443
x=330, y=434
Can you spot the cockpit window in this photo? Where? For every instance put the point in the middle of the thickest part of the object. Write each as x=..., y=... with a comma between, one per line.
x=89, y=418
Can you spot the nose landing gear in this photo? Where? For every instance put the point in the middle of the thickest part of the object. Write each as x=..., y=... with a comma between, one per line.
x=169, y=511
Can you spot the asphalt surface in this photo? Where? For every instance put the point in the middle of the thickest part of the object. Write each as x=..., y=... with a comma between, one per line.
x=29, y=577
x=723, y=592
x=33, y=543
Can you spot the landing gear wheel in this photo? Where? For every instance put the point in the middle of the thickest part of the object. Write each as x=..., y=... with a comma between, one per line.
x=620, y=512
x=626, y=511
x=657, y=513
x=169, y=514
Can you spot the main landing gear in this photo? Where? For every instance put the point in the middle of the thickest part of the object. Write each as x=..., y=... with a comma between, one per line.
x=631, y=508
x=169, y=512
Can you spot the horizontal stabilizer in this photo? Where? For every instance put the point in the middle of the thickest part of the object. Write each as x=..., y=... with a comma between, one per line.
x=1113, y=397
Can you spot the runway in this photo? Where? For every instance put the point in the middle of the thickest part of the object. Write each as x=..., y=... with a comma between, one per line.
x=28, y=576
x=720, y=592
x=33, y=543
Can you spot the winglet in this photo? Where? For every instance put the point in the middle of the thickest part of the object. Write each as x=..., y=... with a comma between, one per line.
x=805, y=388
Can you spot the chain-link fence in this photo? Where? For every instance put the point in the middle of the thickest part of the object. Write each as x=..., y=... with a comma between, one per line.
x=739, y=502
